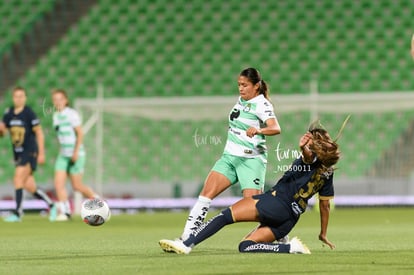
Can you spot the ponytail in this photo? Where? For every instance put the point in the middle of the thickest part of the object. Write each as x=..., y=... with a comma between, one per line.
x=264, y=89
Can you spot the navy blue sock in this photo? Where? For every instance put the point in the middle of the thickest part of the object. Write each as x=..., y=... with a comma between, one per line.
x=210, y=227
x=19, y=199
x=254, y=247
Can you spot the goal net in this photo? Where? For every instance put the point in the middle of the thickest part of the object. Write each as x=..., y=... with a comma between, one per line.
x=163, y=147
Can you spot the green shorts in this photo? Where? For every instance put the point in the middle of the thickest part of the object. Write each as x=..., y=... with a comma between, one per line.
x=65, y=164
x=249, y=172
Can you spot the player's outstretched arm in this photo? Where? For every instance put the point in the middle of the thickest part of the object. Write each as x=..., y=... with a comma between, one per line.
x=324, y=208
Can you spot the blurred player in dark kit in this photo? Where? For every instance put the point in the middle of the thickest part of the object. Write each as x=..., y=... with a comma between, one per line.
x=27, y=139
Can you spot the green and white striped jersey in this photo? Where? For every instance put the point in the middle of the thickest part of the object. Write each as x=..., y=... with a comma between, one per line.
x=64, y=123
x=246, y=114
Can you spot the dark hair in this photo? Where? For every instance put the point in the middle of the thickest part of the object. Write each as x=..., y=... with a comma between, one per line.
x=19, y=88
x=62, y=92
x=254, y=77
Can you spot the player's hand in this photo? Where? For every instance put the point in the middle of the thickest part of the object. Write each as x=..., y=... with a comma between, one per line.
x=305, y=139
x=74, y=157
x=41, y=159
x=325, y=240
x=251, y=132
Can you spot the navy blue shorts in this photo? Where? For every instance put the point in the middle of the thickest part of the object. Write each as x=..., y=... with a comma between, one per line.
x=275, y=214
x=21, y=159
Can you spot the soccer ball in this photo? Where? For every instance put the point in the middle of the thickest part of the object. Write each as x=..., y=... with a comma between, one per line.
x=95, y=212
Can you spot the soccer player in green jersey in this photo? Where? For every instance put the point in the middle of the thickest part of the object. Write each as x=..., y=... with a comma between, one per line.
x=71, y=159
x=245, y=155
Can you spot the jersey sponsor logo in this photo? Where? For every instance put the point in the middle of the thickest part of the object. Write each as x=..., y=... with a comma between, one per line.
x=16, y=122
x=234, y=114
x=234, y=131
x=256, y=181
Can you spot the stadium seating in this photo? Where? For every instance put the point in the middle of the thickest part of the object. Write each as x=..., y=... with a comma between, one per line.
x=17, y=17
x=180, y=48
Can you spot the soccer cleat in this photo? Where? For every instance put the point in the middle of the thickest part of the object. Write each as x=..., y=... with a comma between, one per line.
x=297, y=247
x=284, y=240
x=13, y=218
x=62, y=218
x=53, y=213
x=176, y=246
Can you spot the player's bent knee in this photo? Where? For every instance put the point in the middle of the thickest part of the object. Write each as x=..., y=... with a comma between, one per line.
x=243, y=245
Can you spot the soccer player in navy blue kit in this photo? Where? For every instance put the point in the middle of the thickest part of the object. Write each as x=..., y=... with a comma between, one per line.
x=27, y=139
x=279, y=209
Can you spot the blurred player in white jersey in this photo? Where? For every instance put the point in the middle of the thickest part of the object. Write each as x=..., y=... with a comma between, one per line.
x=245, y=155
x=71, y=159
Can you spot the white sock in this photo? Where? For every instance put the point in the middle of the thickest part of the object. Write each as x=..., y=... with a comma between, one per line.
x=197, y=215
x=64, y=207
x=68, y=211
x=61, y=207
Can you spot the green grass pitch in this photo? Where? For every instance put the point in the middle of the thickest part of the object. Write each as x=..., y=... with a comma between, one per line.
x=368, y=240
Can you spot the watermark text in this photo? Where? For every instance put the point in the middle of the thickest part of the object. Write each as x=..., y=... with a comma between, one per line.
x=200, y=140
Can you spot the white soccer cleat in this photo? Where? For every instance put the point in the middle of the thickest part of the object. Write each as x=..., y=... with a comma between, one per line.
x=284, y=240
x=62, y=218
x=176, y=246
x=297, y=247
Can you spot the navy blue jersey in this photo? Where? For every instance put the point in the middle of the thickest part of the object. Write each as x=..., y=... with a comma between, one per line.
x=21, y=127
x=301, y=182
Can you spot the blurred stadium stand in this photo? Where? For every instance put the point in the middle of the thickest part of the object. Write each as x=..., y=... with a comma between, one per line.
x=165, y=48
x=28, y=31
